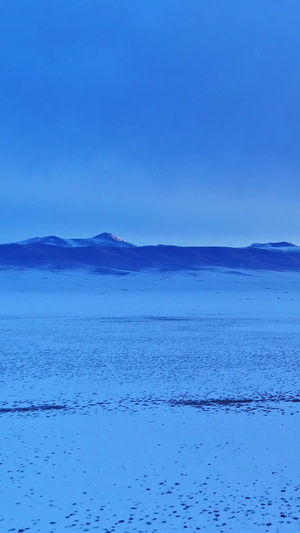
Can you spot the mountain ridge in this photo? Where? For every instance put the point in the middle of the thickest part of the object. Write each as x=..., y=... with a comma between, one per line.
x=107, y=253
x=103, y=239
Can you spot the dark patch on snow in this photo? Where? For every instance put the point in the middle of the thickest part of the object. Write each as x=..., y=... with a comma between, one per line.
x=31, y=408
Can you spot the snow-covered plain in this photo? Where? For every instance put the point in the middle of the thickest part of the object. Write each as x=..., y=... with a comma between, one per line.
x=152, y=402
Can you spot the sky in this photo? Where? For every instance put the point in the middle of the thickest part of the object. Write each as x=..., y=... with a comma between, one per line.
x=161, y=121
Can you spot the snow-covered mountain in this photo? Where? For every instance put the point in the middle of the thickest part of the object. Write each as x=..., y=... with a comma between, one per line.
x=277, y=246
x=103, y=239
x=106, y=253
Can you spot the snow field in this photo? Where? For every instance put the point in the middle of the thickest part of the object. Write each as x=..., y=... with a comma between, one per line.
x=149, y=404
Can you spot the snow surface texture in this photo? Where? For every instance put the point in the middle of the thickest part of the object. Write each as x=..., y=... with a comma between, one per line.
x=149, y=402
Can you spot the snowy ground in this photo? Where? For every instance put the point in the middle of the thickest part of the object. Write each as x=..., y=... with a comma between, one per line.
x=150, y=402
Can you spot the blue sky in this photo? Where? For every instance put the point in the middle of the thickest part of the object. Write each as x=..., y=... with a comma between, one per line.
x=161, y=121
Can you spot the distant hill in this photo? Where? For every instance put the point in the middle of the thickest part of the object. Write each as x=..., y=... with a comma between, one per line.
x=103, y=239
x=106, y=253
x=283, y=246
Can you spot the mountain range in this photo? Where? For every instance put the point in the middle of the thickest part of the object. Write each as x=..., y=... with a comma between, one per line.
x=106, y=253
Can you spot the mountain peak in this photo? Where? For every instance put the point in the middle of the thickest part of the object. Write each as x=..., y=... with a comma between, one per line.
x=109, y=237
x=103, y=239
